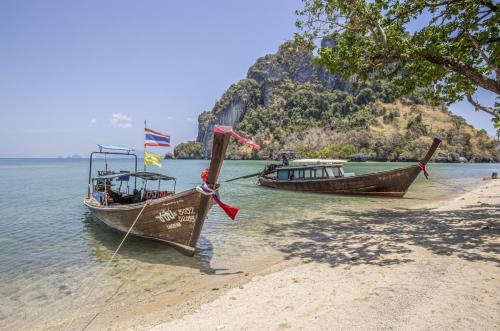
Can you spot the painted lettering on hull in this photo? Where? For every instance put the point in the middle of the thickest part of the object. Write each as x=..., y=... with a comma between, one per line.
x=179, y=215
x=166, y=215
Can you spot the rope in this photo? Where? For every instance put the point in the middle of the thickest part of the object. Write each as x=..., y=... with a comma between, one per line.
x=457, y=187
x=104, y=269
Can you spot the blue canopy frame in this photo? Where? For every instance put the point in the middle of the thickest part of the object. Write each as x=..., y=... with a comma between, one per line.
x=115, y=148
x=126, y=151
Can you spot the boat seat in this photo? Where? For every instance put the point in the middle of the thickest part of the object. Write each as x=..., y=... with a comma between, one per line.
x=123, y=198
x=99, y=196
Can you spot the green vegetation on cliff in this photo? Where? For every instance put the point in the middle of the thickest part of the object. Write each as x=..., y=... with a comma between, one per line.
x=188, y=150
x=287, y=102
x=320, y=123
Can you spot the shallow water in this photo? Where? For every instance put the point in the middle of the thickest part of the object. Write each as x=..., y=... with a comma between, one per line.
x=51, y=248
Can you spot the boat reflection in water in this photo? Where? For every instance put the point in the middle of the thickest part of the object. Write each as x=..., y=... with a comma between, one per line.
x=104, y=240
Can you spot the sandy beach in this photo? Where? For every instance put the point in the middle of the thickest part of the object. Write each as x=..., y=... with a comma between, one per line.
x=416, y=269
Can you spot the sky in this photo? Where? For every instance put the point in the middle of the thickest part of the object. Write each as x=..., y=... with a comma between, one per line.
x=74, y=74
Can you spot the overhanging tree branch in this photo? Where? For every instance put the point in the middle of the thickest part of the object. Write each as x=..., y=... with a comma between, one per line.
x=483, y=54
x=478, y=106
x=490, y=5
x=461, y=68
x=459, y=42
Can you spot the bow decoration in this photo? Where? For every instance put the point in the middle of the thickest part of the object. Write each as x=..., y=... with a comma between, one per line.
x=422, y=167
x=205, y=190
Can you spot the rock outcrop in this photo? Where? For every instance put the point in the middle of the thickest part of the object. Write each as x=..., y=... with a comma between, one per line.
x=291, y=63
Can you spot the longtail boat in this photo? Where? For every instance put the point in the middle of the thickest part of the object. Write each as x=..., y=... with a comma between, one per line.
x=331, y=178
x=173, y=218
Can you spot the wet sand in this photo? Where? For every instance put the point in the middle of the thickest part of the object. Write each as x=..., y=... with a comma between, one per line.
x=418, y=269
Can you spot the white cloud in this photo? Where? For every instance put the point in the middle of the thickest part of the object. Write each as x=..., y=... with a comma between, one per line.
x=191, y=120
x=119, y=120
x=92, y=122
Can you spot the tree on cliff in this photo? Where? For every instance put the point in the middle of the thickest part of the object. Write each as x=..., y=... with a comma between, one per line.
x=188, y=150
x=455, y=48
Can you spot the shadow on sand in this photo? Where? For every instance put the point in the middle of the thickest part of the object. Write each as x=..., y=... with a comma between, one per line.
x=384, y=237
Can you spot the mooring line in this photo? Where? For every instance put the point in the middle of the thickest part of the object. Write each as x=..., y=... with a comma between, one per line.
x=460, y=188
x=104, y=269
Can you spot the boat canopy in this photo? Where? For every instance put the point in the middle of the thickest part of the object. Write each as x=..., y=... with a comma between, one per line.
x=320, y=161
x=142, y=175
x=116, y=148
x=151, y=176
x=308, y=166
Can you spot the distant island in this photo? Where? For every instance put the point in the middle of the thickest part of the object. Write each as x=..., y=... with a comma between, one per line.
x=74, y=156
x=287, y=102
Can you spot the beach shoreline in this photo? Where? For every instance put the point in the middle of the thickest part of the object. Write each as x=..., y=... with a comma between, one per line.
x=439, y=271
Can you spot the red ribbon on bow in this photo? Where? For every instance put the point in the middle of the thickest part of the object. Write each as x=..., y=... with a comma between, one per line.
x=229, y=210
x=246, y=141
x=422, y=167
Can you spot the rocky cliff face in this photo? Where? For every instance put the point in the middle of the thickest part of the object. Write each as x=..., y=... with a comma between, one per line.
x=229, y=110
x=290, y=64
x=288, y=102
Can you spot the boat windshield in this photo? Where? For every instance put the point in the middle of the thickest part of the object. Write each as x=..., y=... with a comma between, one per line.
x=329, y=171
x=334, y=172
x=309, y=172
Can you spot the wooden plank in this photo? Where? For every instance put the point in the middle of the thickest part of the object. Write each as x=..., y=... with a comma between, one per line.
x=432, y=150
x=218, y=153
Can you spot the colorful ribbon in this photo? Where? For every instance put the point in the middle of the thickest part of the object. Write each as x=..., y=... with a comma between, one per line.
x=221, y=129
x=422, y=167
x=204, y=189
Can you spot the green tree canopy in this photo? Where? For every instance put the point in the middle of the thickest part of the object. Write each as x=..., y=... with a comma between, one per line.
x=188, y=150
x=453, y=51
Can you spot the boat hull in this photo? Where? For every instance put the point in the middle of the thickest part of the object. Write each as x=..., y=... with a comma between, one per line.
x=391, y=183
x=173, y=220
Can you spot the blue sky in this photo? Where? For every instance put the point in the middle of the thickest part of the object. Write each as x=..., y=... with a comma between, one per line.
x=77, y=73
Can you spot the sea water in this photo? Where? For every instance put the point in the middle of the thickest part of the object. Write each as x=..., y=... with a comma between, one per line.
x=51, y=248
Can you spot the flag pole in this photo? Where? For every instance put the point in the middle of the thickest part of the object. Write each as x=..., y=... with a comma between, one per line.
x=144, y=156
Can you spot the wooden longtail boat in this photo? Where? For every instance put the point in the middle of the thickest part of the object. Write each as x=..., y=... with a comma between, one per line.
x=173, y=218
x=331, y=178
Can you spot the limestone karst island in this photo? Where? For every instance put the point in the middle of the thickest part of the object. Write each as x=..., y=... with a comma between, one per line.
x=263, y=165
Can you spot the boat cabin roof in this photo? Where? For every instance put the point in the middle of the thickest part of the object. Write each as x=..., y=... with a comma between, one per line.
x=320, y=161
x=115, y=148
x=309, y=166
x=145, y=175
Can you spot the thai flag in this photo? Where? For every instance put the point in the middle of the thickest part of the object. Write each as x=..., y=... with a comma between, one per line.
x=155, y=138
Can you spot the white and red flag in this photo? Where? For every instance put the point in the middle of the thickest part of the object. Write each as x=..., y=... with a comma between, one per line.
x=155, y=138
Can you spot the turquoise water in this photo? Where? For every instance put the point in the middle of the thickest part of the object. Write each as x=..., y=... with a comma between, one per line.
x=51, y=248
